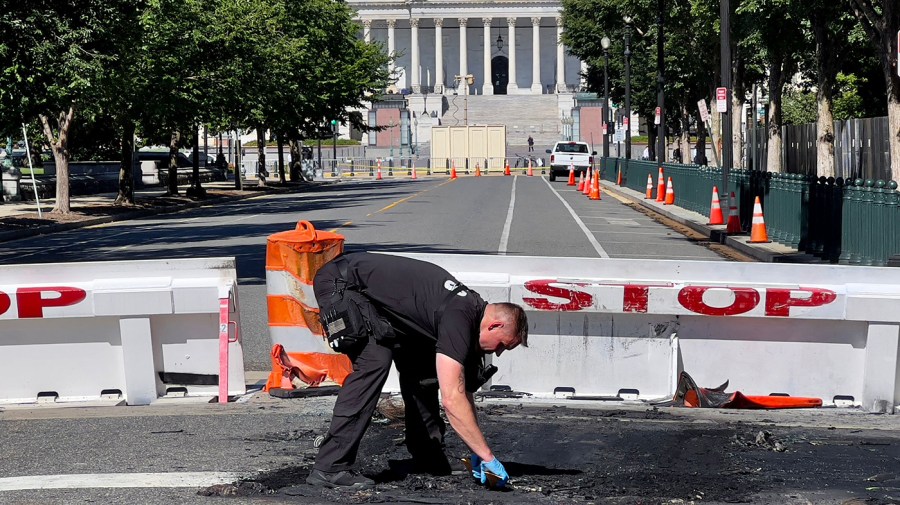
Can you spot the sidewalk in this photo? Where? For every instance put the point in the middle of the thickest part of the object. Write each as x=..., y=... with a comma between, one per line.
x=21, y=219
x=772, y=252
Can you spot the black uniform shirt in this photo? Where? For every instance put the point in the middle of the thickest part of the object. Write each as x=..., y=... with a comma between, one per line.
x=411, y=291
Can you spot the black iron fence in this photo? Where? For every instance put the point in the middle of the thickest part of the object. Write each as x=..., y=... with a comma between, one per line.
x=861, y=149
x=848, y=221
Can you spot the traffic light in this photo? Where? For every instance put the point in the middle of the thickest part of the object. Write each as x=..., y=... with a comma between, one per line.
x=334, y=125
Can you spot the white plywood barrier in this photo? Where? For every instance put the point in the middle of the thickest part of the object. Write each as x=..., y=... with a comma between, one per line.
x=607, y=326
x=82, y=331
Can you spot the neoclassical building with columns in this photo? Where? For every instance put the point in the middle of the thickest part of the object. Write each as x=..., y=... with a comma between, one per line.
x=509, y=46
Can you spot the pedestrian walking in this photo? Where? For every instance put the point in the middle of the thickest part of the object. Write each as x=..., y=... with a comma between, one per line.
x=676, y=155
x=530, y=144
x=380, y=309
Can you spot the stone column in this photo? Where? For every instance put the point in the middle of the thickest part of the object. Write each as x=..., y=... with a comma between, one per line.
x=560, y=59
x=414, y=76
x=513, y=86
x=367, y=30
x=463, y=52
x=391, y=24
x=536, y=56
x=438, y=56
x=488, y=87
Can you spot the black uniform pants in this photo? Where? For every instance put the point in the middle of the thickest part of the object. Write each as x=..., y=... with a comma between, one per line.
x=357, y=399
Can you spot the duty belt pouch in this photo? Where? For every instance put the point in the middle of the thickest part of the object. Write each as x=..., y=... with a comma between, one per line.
x=351, y=321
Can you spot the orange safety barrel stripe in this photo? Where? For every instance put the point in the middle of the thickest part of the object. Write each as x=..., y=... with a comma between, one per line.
x=302, y=251
x=740, y=401
x=311, y=368
x=287, y=311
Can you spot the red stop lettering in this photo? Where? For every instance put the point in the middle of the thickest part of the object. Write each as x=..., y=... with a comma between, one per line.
x=31, y=301
x=691, y=298
x=4, y=302
x=577, y=299
x=779, y=301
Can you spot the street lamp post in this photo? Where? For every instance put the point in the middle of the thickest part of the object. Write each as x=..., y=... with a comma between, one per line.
x=660, y=83
x=605, y=42
x=627, y=120
x=727, y=133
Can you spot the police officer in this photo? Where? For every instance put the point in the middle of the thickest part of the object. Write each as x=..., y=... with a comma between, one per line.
x=380, y=308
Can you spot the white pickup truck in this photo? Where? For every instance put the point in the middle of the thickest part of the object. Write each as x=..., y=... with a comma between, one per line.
x=568, y=154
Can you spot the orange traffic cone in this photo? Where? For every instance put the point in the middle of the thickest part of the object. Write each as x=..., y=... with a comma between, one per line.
x=477, y=170
x=378, y=177
x=670, y=193
x=453, y=170
x=588, y=182
x=715, y=209
x=661, y=187
x=580, y=186
x=506, y=170
x=595, y=188
x=758, y=233
x=571, y=176
x=734, y=220
x=414, y=176
x=649, y=187
x=530, y=169
x=619, y=178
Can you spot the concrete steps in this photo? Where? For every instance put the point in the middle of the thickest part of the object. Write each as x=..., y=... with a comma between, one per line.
x=523, y=115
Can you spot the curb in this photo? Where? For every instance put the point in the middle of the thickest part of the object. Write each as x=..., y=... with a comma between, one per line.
x=47, y=229
x=773, y=253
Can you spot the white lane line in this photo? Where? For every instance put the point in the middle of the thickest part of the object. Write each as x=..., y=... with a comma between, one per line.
x=504, y=237
x=590, y=236
x=116, y=480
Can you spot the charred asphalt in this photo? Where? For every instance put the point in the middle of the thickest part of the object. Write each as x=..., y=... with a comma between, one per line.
x=635, y=455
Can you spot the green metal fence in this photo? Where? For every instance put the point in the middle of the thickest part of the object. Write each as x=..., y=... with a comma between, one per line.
x=853, y=222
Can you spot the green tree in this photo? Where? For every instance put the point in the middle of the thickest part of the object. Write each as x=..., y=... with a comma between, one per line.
x=172, y=76
x=776, y=31
x=54, y=58
x=880, y=20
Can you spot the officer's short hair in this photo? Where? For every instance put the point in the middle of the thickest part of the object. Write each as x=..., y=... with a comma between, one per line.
x=515, y=314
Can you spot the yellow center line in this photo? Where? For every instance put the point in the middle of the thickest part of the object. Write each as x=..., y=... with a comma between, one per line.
x=394, y=204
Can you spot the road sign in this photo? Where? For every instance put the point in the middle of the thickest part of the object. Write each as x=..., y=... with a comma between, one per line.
x=721, y=99
x=656, y=119
x=604, y=128
x=704, y=112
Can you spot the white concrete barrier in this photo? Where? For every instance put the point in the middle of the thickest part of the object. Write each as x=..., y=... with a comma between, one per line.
x=616, y=327
x=132, y=329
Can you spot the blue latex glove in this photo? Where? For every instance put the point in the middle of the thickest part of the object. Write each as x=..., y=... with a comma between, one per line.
x=495, y=467
x=475, y=460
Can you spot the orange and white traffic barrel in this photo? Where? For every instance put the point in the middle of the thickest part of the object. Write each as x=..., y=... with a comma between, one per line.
x=301, y=356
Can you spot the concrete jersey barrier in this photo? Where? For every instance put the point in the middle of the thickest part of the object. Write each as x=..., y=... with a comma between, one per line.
x=626, y=328
x=129, y=329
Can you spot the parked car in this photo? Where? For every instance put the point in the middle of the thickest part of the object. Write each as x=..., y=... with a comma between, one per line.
x=568, y=154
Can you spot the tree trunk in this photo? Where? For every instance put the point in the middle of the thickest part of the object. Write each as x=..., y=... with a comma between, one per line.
x=651, y=141
x=881, y=27
x=196, y=190
x=825, y=49
x=174, y=142
x=60, y=147
x=738, y=92
x=296, y=157
x=715, y=120
x=126, y=168
x=774, y=142
x=261, y=149
x=684, y=141
x=281, y=158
